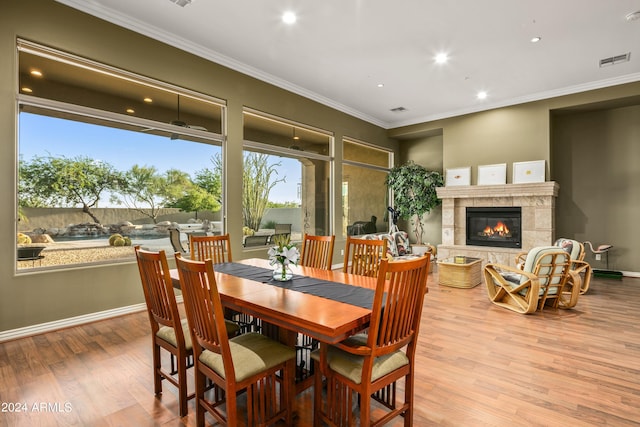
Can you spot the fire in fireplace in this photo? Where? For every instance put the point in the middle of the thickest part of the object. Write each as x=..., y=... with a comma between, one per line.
x=494, y=226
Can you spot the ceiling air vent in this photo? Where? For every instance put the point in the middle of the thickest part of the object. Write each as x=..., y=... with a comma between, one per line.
x=615, y=60
x=398, y=109
x=182, y=3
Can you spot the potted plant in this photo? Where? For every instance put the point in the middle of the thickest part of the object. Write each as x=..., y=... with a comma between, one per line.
x=414, y=193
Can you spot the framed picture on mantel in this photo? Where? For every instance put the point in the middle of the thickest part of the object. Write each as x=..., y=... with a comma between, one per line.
x=458, y=176
x=492, y=174
x=524, y=172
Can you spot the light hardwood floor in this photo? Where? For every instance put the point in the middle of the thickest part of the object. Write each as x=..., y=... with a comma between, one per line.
x=478, y=365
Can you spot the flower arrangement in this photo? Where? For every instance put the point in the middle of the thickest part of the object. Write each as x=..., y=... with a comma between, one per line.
x=282, y=255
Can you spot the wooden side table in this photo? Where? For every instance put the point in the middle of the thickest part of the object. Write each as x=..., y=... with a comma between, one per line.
x=460, y=272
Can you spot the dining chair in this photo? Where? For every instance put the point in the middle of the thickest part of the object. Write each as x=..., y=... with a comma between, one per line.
x=540, y=281
x=167, y=329
x=363, y=256
x=251, y=361
x=317, y=251
x=216, y=248
x=369, y=365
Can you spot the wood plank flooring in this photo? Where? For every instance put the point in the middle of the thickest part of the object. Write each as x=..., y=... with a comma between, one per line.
x=478, y=365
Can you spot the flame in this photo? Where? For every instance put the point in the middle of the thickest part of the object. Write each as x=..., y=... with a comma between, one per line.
x=500, y=229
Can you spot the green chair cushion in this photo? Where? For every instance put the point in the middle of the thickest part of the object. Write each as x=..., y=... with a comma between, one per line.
x=169, y=335
x=252, y=353
x=350, y=365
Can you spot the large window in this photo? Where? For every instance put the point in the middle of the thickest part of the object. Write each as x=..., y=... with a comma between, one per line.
x=102, y=153
x=364, y=194
x=286, y=179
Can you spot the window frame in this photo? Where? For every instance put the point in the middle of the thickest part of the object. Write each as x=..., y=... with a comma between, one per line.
x=98, y=117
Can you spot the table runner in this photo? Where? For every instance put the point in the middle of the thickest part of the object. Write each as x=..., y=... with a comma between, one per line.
x=354, y=295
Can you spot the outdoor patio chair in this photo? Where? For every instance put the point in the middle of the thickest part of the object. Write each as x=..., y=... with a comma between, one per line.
x=250, y=241
x=539, y=282
x=282, y=229
x=176, y=242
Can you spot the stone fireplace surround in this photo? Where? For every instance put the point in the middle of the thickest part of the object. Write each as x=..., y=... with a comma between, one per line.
x=537, y=201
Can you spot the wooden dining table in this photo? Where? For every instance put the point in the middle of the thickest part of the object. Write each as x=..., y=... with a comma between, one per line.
x=324, y=319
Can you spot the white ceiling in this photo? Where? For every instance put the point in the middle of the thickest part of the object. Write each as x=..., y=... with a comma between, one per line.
x=338, y=51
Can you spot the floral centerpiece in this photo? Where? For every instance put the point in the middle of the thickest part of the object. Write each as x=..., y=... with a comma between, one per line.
x=282, y=256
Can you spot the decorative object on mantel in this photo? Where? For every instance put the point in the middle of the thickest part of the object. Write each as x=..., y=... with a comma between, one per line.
x=414, y=193
x=524, y=172
x=282, y=256
x=458, y=176
x=492, y=174
x=597, y=253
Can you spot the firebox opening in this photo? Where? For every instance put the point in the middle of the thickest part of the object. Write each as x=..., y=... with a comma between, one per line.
x=494, y=226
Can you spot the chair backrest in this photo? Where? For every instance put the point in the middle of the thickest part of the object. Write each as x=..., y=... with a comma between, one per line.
x=551, y=264
x=397, y=305
x=363, y=256
x=317, y=251
x=255, y=241
x=158, y=291
x=283, y=229
x=215, y=248
x=205, y=313
x=174, y=238
x=574, y=248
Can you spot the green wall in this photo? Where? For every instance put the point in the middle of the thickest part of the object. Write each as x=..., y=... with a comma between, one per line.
x=30, y=299
x=596, y=157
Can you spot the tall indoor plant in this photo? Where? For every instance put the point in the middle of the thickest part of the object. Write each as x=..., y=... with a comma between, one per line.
x=414, y=193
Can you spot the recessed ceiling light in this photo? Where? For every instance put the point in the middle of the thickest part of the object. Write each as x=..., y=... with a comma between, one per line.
x=130, y=110
x=380, y=84
x=536, y=39
x=441, y=58
x=148, y=100
x=36, y=73
x=482, y=95
x=289, y=17
x=26, y=89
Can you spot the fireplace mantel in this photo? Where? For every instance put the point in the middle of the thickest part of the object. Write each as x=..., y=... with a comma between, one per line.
x=473, y=191
x=537, y=201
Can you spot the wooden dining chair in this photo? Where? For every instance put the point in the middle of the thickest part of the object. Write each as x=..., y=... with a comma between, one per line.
x=216, y=248
x=363, y=256
x=317, y=251
x=167, y=329
x=369, y=365
x=251, y=361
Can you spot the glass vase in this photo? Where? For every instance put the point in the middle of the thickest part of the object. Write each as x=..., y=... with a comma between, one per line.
x=282, y=273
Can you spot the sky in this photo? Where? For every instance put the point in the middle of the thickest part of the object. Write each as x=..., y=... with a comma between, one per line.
x=49, y=136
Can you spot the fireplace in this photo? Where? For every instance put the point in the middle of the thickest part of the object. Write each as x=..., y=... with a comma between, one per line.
x=494, y=226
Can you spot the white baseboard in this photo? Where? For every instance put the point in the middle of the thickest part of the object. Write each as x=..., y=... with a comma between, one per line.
x=69, y=322
x=631, y=274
